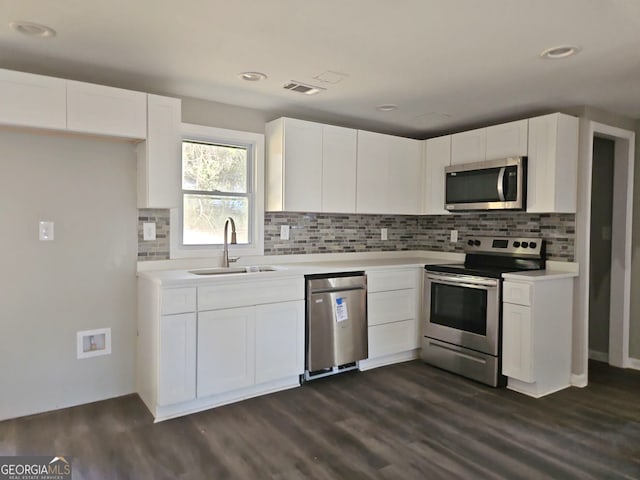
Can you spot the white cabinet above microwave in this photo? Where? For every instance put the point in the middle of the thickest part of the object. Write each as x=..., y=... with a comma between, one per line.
x=490, y=143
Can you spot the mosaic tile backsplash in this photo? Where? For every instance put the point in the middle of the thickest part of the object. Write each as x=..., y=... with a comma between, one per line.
x=339, y=233
x=335, y=233
x=157, y=249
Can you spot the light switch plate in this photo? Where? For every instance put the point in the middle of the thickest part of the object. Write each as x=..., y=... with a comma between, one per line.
x=284, y=232
x=149, y=231
x=383, y=234
x=45, y=231
x=454, y=236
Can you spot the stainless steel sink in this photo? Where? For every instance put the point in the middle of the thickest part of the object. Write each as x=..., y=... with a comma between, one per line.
x=231, y=270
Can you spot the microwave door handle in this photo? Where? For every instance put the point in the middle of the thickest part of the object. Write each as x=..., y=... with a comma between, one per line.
x=501, y=184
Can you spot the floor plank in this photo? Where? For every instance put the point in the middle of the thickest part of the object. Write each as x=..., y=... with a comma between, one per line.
x=404, y=421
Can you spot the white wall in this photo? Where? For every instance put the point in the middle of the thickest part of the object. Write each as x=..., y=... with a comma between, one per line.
x=84, y=279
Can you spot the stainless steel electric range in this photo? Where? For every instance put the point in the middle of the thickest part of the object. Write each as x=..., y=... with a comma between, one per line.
x=462, y=312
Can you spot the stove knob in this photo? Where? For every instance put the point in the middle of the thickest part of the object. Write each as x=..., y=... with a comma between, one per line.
x=476, y=243
x=524, y=244
x=470, y=243
x=516, y=244
x=533, y=244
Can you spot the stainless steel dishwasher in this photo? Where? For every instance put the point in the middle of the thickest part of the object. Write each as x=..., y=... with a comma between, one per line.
x=336, y=323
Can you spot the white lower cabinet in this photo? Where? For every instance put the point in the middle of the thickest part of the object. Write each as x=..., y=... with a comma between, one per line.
x=226, y=350
x=196, y=352
x=536, y=336
x=279, y=341
x=393, y=305
x=177, y=359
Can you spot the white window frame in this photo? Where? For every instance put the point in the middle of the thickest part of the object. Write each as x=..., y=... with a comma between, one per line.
x=222, y=136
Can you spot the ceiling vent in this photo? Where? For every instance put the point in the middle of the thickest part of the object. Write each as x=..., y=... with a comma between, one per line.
x=302, y=88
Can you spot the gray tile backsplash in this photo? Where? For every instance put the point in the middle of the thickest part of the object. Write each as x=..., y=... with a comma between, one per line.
x=333, y=233
x=157, y=249
x=339, y=233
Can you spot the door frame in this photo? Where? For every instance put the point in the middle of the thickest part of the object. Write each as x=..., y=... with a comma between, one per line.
x=621, y=238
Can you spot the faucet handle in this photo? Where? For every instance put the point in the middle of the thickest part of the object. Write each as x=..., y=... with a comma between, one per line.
x=233, y=259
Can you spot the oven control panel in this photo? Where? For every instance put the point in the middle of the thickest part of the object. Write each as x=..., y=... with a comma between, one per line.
x=516, y=246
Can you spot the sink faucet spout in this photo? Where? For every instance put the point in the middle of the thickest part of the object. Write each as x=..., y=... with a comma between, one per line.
x=225, y=251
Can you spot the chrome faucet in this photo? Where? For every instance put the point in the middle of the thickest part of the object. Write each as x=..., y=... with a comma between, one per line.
x=225, y=252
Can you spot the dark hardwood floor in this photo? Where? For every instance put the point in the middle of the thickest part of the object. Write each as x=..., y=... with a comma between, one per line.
x=405, y=421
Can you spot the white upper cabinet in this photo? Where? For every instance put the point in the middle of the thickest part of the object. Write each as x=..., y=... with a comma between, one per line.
x=552, y=169
x=436, y=158
x=389, y=174
x=101, y=110
x=294, y=165
x=507, y=140
x=491, y=143
x=339, y=147
x=159, y=158
x=32, y=100
x=311, y=167
x=468, y=147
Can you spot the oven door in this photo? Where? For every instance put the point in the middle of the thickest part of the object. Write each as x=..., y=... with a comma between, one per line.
x=463, y=310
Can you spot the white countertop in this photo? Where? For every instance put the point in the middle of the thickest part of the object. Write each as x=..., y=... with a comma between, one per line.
x=183, y=276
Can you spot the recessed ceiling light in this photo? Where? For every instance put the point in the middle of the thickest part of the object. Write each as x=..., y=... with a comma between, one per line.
x=33, y=29
x=252, y=76
x=562, y=51
x=387, y=107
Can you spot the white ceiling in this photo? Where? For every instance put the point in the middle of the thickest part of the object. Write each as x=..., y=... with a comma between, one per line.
x=475, y=61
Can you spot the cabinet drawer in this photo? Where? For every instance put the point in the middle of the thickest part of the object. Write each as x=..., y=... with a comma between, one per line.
x=393, y=306
x=518, y=293
x=380, y=281
x=393, y=338
x=214, y=297
x=178, y=300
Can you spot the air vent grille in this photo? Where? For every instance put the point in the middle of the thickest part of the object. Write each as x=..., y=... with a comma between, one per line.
x=305, y=89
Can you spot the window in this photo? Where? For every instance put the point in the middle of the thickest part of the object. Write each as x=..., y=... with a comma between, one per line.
x=215, y=185
x=222, y=176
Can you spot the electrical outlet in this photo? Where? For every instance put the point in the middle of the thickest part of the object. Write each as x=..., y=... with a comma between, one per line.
x=284, y=232
x=383, y=234
x=454, y=236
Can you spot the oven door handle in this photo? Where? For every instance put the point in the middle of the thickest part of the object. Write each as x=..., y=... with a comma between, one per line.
x=464, y=281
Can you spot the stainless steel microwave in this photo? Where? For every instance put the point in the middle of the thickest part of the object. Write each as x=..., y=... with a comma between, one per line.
x=491, y=185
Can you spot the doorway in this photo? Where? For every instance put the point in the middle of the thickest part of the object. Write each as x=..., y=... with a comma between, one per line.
x=600, y=241
x=619, y=258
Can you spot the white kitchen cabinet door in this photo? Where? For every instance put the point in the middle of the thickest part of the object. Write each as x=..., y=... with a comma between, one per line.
x=437, y=158
x=388, y=174
x=339, y=147
x=279, y=341
x=294, y=165
x=102, y=110
x=159, y=158
x=390, y=338
x=177, y=359
x=517, y=342
x=552, y=167
x=507, y=140
x=32, y=100
x=226, y=350
x=469, y=147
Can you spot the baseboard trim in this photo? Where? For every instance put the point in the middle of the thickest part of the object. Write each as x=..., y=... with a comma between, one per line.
x=598, y=356
x=633, y=363
x=580, y=380
x=370, y=363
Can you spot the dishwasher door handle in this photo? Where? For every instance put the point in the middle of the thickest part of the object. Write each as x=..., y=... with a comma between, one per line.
x=334, y=290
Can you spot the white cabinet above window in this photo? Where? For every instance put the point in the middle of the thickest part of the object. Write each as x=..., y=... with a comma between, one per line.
x=104, y=110
x=36, y=101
